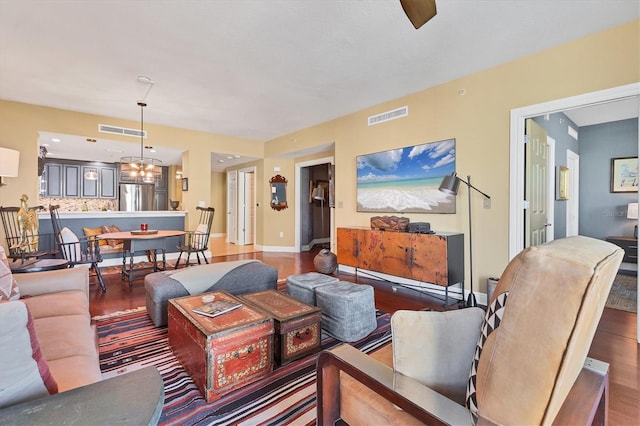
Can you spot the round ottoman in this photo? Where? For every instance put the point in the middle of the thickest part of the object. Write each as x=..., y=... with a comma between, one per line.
x=348, y=310
x=302, y=287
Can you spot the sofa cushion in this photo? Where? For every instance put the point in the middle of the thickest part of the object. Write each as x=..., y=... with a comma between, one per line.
x=57, y=304
x=108, y=229
x=491, y=322
x=9, y=289
x=70, y=239
x=24, y=373
x=199, y=241
x=94, y=232
x=65, y=336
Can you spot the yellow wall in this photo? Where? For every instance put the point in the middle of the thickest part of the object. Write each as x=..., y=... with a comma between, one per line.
x=219, y=202
x=479, y=121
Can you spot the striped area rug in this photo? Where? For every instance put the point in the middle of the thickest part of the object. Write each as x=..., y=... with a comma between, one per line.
x=129, y=341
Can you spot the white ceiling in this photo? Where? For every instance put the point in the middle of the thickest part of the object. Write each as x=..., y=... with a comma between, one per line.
x=260, y=69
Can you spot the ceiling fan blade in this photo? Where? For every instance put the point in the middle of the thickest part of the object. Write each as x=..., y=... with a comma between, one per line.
x=419, y=11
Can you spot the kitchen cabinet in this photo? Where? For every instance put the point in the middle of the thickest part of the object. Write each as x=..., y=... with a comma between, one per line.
x=53, y=177
x=65, y=179
x=103, y=187
x=431, y=258
x=71, y=180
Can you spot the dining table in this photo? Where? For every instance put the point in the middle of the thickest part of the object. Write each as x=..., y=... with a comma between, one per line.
x=149, y=241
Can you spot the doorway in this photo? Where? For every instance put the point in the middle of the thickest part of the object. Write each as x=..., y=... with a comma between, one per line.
x=314, y=216
x=241, y=206
x=517, y=149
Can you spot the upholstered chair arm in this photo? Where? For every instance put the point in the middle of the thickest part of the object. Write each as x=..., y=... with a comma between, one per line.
x=423, y=403
x=436, y=348
x=586, y=404
x=35, y=283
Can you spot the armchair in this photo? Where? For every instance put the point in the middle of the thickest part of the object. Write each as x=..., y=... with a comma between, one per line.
x=523, y=363
x=197, y=241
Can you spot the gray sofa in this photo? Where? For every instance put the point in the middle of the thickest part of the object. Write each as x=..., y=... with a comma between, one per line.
x=246, y=278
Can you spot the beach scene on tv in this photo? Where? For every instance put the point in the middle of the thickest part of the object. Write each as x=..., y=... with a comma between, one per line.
x=406, y=180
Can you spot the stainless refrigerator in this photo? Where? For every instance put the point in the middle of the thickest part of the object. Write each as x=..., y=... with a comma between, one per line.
x=136, y=197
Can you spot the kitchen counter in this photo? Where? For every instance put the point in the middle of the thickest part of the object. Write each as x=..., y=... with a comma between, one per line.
x=125, y=221
x=114, y=214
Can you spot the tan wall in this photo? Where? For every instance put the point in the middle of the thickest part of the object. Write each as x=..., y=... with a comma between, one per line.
x=20, y=124
x=479, y=121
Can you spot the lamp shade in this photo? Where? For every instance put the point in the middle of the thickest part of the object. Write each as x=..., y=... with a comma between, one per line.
x=9, y=159
x=450, y=184
x=632, y=211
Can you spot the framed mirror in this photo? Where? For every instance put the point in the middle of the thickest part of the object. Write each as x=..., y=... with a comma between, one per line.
x=278, y=192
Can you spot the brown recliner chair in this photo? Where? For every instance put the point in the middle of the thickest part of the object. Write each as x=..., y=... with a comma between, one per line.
x=527, y=353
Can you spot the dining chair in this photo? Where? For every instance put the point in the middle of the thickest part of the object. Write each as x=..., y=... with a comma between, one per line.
x=77, y=251
x=24, y=242
x=197, y=241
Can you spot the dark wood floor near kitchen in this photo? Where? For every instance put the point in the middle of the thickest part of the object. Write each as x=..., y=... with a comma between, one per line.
x=615, y=341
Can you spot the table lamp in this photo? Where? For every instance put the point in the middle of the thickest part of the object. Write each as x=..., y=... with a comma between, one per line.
x=632, y=213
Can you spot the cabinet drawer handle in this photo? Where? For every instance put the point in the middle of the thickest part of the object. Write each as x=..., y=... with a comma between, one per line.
x=244, y=353
x=633, y=247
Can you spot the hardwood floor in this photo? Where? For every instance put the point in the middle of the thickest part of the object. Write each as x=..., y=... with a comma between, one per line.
x=615, y=341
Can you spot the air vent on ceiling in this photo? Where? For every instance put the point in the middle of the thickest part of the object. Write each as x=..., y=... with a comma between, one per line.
x=104, y=128
x=389, y=115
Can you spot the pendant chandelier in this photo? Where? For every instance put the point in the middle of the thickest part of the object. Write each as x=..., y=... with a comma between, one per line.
x=91, y=174
x=140, y=169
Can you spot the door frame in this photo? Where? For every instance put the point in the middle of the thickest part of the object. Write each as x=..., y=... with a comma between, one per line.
x=298, y=200
x=516, y=142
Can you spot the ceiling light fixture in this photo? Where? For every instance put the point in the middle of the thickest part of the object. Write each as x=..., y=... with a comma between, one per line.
x=141, y=169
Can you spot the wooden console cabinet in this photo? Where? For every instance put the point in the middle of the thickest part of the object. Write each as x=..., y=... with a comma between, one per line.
x=432, y=258
x=629, y=245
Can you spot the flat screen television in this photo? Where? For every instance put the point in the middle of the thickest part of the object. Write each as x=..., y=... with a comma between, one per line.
x=406, y=180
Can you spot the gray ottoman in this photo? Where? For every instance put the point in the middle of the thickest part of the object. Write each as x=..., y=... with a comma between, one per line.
x=348, y=310
x=247, y=278
x=302, y=287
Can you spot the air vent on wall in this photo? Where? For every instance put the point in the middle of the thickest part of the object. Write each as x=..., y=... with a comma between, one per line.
x=389, y=115
x=104, y=128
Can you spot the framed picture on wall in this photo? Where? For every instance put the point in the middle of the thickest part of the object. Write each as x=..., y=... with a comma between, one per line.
x=185, y=184
x=563, y=183
x=624, y=174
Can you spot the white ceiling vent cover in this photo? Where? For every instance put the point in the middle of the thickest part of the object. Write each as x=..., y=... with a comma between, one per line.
x=114, y=130
x=389, y=115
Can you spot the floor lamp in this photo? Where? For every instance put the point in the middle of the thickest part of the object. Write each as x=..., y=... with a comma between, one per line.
x=450, y=185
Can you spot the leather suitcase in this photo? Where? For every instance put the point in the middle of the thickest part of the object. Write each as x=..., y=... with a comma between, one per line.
x=297, y=324
x=222, y=353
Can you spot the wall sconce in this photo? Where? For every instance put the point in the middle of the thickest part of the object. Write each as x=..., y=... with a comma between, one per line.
x=9, y=160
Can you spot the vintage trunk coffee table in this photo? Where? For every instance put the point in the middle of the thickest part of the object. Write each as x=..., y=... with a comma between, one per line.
x=297, y=325
x=221, y=353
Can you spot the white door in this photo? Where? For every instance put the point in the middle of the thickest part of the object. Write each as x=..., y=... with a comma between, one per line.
x=551, y=187
x=535, y=185
x=246, y=207
x=573, y=203
x=232, y=206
